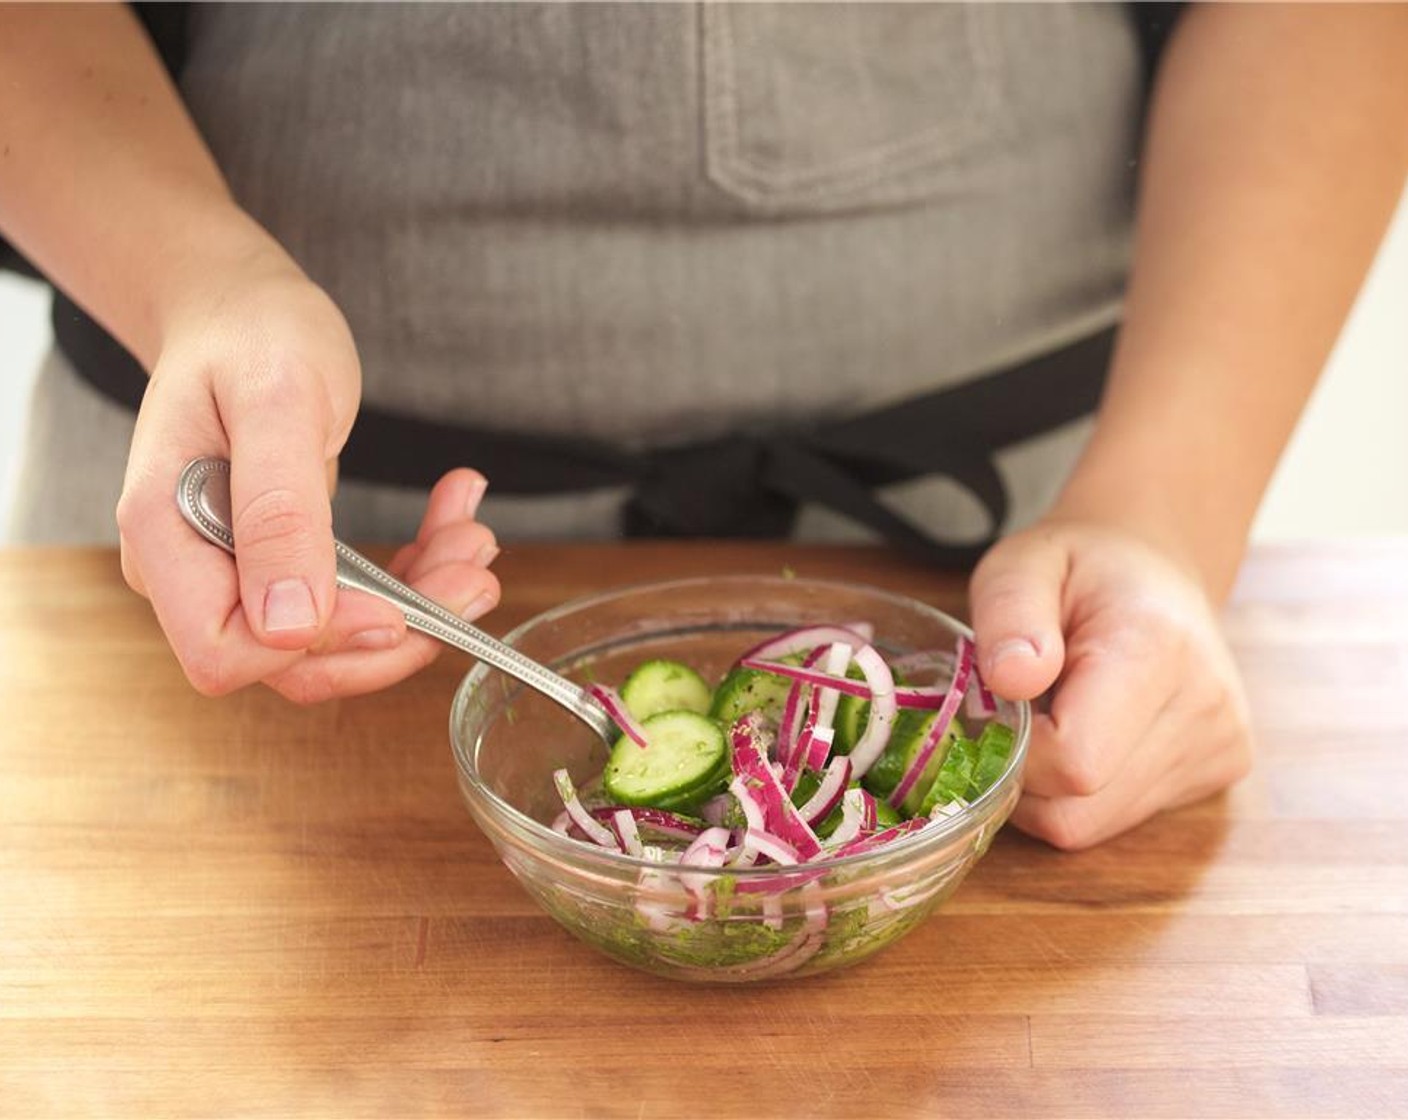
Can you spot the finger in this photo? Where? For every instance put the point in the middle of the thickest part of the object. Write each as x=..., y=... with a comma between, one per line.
x=1116, y=684
x=194, y=591
x=281, y=511
x=353, y=673
x=360, y=622
x=1140, y=791
x=464, y=542
x=455, y=498
x=1015, y=598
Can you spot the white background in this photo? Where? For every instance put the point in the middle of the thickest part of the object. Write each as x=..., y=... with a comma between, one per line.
x=1345, y=472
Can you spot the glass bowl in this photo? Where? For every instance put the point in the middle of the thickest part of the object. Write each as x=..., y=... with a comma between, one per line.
x=690, y=923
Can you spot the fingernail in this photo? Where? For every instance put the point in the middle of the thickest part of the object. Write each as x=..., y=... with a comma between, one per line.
x=288, y=605
x=475, y=496
x=1011, y=647
x=486, y=555
x=482, y=603
x=380, y=637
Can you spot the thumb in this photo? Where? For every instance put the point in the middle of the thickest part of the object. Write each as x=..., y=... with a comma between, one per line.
x=1015, y=598
x=282, y=517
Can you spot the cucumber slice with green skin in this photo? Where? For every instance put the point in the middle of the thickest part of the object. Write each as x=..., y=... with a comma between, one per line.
x=749, y=690
x=684, y=763
x=954, y=777
x=852, y=712
x=994, y=748
x=911, y=728
x=665, y=686
x=886, y=815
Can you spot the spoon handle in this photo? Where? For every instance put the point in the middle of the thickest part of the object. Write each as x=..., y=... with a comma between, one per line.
x=203, y=496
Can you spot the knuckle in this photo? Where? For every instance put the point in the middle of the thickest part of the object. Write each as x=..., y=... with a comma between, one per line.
x=1059, y=825
x=307, y=685
x=274, y=522
x=1080, y=770
x=209, y=672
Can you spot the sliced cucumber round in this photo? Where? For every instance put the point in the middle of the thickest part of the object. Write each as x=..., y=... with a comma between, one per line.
x=911, y=728
x=749, y=690
x=665, y=686
x=685, y=762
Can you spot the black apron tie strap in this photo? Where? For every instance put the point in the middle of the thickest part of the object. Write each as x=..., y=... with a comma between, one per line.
x=740, y=486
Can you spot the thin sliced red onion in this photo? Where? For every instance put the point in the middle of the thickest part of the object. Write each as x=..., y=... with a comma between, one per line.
x=828, y=794
x=882, y=710
x=624, y=825
x=709, y=850
x=807, y=675
x=715, y=809
x=818, y=748
x=616, y=708
x=870, y=820
x=773, y=914
x=801, y=640
x=825, y=698
x=771, y=845
x=981, y=704
x=749, y=803
x=880, y=839
x=660, y=820
x=962, y=670
x=597, y=833
x=797, y=758
x=792, y=726
x=926, y=697
x=814, y=908
x=663, y=915
x=562, y=823
x=948, y=809
x=865, y=629
x=750, y=763
x=852, y=819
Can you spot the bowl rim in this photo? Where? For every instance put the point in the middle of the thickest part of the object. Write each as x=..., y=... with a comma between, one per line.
x=937, y=833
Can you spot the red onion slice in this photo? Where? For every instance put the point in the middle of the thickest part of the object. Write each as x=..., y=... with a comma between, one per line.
x=760, y=781
x=981, y=704
x=771, y=845
x=828, y=795
x=880, y=839
x=925, y=698
x=709, y=849
x=852, y=819
x=660, y=820
x=801, y=640
x=615, y=707
x=882, y=710
x=807, y=675
x=825, y=698
x=625, y=827
x=962, y=669
x=818, y=749
x=597, y=833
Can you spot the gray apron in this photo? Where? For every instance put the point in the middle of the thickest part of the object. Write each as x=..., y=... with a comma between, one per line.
x=658, y=224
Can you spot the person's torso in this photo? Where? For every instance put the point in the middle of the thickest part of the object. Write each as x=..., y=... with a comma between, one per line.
x=655, y=222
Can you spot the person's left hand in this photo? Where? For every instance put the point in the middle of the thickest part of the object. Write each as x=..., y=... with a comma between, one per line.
x=1147, y=712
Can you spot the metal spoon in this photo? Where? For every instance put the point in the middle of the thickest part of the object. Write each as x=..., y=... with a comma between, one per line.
x=203, y=496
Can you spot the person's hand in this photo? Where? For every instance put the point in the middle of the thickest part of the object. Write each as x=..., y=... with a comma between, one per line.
x=1147, y=712
x=263, y=371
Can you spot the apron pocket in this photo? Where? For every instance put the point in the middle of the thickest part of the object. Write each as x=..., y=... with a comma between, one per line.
x=824, y=107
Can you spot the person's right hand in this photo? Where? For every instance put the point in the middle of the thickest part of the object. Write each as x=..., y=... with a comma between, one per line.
x=262, y=371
